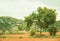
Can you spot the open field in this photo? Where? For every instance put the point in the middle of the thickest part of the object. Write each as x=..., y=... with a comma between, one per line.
x=25, y=34
x=29, y=39
x=18, y=37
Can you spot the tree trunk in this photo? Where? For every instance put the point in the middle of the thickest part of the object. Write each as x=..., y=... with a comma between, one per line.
x=40, y=31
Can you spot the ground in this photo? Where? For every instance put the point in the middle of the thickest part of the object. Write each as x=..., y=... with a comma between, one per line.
x=28, y=39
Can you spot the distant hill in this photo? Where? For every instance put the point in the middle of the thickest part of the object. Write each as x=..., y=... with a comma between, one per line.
x=7, y=23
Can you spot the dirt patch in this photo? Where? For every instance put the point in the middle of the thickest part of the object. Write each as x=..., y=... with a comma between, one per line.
x=27, y=35
x=47, y=33
x=29, y=39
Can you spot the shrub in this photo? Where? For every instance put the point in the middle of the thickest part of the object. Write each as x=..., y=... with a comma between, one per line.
x=32, y=33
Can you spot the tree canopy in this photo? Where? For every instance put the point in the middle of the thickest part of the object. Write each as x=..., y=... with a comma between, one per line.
x=43, y=17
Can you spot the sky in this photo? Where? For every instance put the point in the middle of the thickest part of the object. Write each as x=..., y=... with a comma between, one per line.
x=21, y=8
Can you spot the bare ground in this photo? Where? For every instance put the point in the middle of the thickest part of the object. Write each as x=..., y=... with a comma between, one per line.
x=29, y=39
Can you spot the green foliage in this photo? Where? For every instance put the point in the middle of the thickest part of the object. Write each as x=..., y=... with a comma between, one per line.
x=20, y=27
x=7, y=23
x=28, y=21
x=58, y=23
x=52, y=30
x=42, y=18
x=32, y=33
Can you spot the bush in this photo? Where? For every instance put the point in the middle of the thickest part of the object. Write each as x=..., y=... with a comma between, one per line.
x=52, y=30
x=32, y=33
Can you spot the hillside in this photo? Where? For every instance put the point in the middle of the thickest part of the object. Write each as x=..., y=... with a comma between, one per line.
x=8, y=23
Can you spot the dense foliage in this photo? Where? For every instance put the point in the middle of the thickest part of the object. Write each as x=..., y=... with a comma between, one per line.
x=58, y=23
x=42, y=18
x=8, y=23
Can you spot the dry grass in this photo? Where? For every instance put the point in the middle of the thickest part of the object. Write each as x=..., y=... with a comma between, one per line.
x=29, y=39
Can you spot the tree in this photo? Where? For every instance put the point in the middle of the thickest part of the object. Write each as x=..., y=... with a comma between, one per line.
x=52, y=30
x=42, y=18
x=20, y=26
x=29, y=22
x=46, y=17
x=50, y=17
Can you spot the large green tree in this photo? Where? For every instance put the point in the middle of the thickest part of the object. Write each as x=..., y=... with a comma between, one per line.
x=42, y=18
x=45, y=17
x=29, y=22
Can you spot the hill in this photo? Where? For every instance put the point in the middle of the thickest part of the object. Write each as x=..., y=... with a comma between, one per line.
x=8, y=23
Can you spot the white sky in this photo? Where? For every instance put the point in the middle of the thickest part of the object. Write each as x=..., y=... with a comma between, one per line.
x=21, y=8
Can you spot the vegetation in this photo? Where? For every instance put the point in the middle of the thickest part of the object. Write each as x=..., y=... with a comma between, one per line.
x=58, y=24
x=44, y=19
x=32, y=33
x=52, y=30
x=8, y=23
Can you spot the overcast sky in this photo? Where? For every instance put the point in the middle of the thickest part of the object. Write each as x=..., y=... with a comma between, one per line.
x=21, y=8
